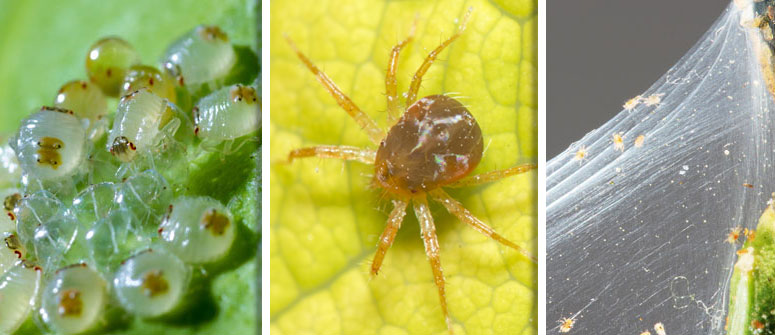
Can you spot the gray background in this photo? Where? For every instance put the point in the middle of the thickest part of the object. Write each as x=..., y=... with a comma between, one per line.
x=601, y=53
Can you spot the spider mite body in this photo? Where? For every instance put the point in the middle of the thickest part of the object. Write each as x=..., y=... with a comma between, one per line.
x=50, y=144
x=434, y=143
x=227, y=114
x=141, y=118
x=203, y=55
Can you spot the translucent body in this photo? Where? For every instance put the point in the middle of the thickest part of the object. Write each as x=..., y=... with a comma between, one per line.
x=9, y=197
x=151, y=283
x=227, y=113
x=436, y=142
x=198, y=230
x=73, y=300
x=107, y=62
x=10, y=253
x=18, y=288
x=139, y=76
x=202, y=55
x=146, y=195
x=140, y=117
x=50, y=145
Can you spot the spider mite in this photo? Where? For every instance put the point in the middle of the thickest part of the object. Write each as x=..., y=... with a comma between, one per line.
x=734, y=235
x=566, y=324
x=618, y=140
x=434, y=142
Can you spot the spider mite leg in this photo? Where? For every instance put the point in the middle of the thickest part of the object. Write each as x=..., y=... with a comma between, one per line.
x=387, y=237
x=431, y=242
x=492, y=176
x=391, y=83
x=335, y=151
x=367, y=124
x=411, y=96
x=457, y=209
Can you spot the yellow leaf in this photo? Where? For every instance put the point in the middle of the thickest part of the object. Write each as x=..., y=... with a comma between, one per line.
x=326, y=218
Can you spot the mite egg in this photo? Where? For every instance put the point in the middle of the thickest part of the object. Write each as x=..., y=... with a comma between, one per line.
x=18, y=288
x=198, y=230
x=203, y=55
x=151, y=283
x=50, y=144
x=227, y=113
x=107, y=62
x=140, y=118
x=73, y=300
x=46, y=227
x=139, y=76
x=87, y=102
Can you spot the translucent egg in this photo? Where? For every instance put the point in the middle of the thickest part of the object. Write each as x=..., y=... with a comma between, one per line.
x=10, y=198
x=107, y=62
x=203, y=55
x=94, y=202
x=87, y=102
x=146, y=195
x=46, y=227
x=139, y=76
x=227, y=113
x=107, y=239
x=18, y=289
x=73, y=300
x=151, y=283
x=140, y=120
x=50, y=144
x=198, y=230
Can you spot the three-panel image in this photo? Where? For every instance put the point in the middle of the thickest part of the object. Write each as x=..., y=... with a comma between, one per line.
x=427, y=167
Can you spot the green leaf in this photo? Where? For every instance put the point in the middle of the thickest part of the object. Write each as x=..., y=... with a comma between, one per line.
x=44, y=45
x=326, y=218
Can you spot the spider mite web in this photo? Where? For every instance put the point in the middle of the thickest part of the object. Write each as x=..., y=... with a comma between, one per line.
x=636, y=237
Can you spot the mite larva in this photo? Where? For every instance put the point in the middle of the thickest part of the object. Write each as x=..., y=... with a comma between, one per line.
x=73, y=299
x=226, y=114
x=10, y=198
x=203, y=55
x=198, y=230
x=107, y=62
x=141, y=119
x=87, y=102
x=139, y=76
x=151, y=283
x=18, y=289
x=50, y=144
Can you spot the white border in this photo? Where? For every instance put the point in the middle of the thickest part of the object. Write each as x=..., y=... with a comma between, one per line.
x=265, y=97
x=541, y=303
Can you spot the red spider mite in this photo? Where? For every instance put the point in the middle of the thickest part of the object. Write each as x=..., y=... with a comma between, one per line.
x=435, y=143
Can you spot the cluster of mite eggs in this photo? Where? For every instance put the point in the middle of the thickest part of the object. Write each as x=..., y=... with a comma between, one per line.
x=94, y=215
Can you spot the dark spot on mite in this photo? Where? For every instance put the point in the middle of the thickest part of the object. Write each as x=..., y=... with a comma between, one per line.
x=56, y=109
x=215, y=222
x=84, y=85
x=150, y=81
x=48, y=152
x=70, y=303
x=109, y=72
x=10, y=202
x=154, y=283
